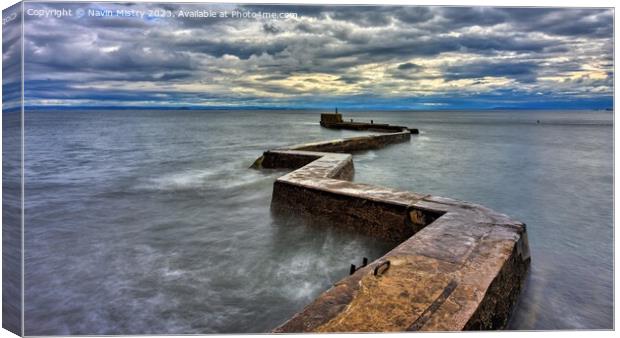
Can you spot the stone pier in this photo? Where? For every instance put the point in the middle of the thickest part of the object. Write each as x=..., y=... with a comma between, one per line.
x=459, y=265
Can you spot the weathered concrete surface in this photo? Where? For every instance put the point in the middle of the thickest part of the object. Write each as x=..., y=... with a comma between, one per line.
x=459, y=266
x=334, y=121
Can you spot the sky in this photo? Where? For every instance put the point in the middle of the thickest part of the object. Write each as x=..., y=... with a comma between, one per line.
x=357, y=57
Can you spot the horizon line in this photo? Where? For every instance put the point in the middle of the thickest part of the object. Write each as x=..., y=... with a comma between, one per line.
x=194, y=107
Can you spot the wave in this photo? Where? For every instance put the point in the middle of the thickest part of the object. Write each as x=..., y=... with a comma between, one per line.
x=225, y=177
x=365, y=156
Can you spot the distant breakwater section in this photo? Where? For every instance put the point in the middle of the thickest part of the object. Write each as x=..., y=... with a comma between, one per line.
x=459, y=266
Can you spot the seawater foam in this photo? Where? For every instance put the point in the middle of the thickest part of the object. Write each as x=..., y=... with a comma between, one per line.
x=185, y=180
x=224, y=177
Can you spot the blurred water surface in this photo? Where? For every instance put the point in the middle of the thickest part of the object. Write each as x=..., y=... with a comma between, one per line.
x=151, y=222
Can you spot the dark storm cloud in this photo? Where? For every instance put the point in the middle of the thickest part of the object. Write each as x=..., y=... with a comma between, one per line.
x=363, y=15
x=360, y=15
x=408, y=65
x=411, y=72
x=303, y=10
x=351, y=79
x=237, y=48
x=553, y=21
x=400, y=45
x=125, y=59
x=572, y=22
x=271, y=28
x=325, y=45
x=521, y=71
x=413, y=15
x=456, y=17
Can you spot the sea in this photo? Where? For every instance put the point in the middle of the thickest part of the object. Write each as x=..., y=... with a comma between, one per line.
x=151, y=222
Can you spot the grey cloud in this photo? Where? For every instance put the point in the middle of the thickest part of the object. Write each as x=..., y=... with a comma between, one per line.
x=148, y=50
x=302, y=10
x=407, y=66
x=351, y=79
x=414, y=15
x=472, y=16
x=362, y=15
x=243, y=50
x=521, y=71
x=66, y=57
x=271, y=28
x=273, y=77
x=572, y=22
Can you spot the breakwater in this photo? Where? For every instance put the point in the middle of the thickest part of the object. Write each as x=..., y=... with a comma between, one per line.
x=458, y=266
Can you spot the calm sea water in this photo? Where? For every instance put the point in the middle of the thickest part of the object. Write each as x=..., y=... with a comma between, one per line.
x=151, y=221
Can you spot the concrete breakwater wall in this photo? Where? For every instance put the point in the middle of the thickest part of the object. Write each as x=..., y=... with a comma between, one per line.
x=458, y=266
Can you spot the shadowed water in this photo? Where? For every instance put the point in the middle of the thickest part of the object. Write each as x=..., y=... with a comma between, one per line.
x=150, y=221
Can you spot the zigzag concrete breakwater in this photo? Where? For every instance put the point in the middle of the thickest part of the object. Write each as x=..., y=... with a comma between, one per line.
x=459, y=266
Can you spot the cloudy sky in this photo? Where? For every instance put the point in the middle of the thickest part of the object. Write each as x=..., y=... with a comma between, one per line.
x=356, y=57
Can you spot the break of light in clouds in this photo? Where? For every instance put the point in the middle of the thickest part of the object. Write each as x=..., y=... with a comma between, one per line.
x=351, y=56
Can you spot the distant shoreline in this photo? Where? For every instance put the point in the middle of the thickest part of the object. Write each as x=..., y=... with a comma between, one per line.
x=313, y=109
